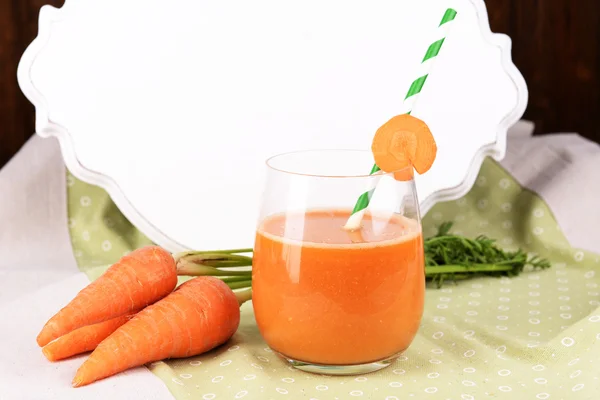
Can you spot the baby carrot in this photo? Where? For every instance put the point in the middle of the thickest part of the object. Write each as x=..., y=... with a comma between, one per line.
x=136, y=280
x=404, y=142
x=199, y=315
x=83, y=339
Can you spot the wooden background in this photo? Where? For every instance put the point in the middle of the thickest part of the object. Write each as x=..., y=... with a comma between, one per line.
x=556, y=46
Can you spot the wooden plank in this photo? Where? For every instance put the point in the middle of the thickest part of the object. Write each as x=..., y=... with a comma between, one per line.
x=18, y=27
x=556, y=48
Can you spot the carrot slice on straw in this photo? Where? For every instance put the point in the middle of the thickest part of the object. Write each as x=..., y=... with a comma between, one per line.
x=199, y=315
x=136, y=280
x=404, y=174
x=402, y=142
x=83, y=339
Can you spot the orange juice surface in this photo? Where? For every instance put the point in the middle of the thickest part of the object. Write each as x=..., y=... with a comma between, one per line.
x=324, y=296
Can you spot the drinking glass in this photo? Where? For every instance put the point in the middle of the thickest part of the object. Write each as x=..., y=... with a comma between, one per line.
x=328, y=299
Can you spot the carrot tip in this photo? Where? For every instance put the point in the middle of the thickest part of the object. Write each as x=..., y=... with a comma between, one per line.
x=41, y=341
x=48, y=354
x=156, y=274
x=77, y=382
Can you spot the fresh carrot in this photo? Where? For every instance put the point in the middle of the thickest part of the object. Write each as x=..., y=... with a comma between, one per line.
x=135, y=281
x=402, y=143
x=199, y=315
x=83, y=339
x=405, y=174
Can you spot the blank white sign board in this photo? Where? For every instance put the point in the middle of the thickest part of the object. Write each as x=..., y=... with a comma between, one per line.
x=174, y=106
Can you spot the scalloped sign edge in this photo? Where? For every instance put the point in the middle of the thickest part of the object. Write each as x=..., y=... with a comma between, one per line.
x=46, y=128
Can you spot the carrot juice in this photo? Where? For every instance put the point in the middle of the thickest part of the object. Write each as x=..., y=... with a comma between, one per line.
x=327, y=296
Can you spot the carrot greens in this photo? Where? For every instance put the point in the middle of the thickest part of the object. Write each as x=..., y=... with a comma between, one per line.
x=453, y=257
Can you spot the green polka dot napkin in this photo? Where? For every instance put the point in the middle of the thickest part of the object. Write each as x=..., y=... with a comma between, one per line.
x=536, y=336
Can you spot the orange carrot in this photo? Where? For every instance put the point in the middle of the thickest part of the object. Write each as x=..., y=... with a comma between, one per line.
x=136, y=280
x=404, y=142
x=199, y=315
x=83, y=339
x=404, y=174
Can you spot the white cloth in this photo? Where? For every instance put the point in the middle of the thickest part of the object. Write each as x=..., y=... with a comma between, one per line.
x=38, y=274
x=564, y=170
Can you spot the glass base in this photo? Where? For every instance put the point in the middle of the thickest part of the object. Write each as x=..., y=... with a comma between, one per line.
x=355, y=369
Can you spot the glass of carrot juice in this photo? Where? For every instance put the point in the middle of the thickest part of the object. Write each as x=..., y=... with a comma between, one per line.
x=330, y=299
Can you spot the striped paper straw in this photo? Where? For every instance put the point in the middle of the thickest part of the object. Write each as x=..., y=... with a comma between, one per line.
x=409, y=101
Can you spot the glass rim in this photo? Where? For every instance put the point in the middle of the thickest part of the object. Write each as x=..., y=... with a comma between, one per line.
x=269, y=163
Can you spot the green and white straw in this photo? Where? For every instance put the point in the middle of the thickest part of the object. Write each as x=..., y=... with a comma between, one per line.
x=411, y=97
